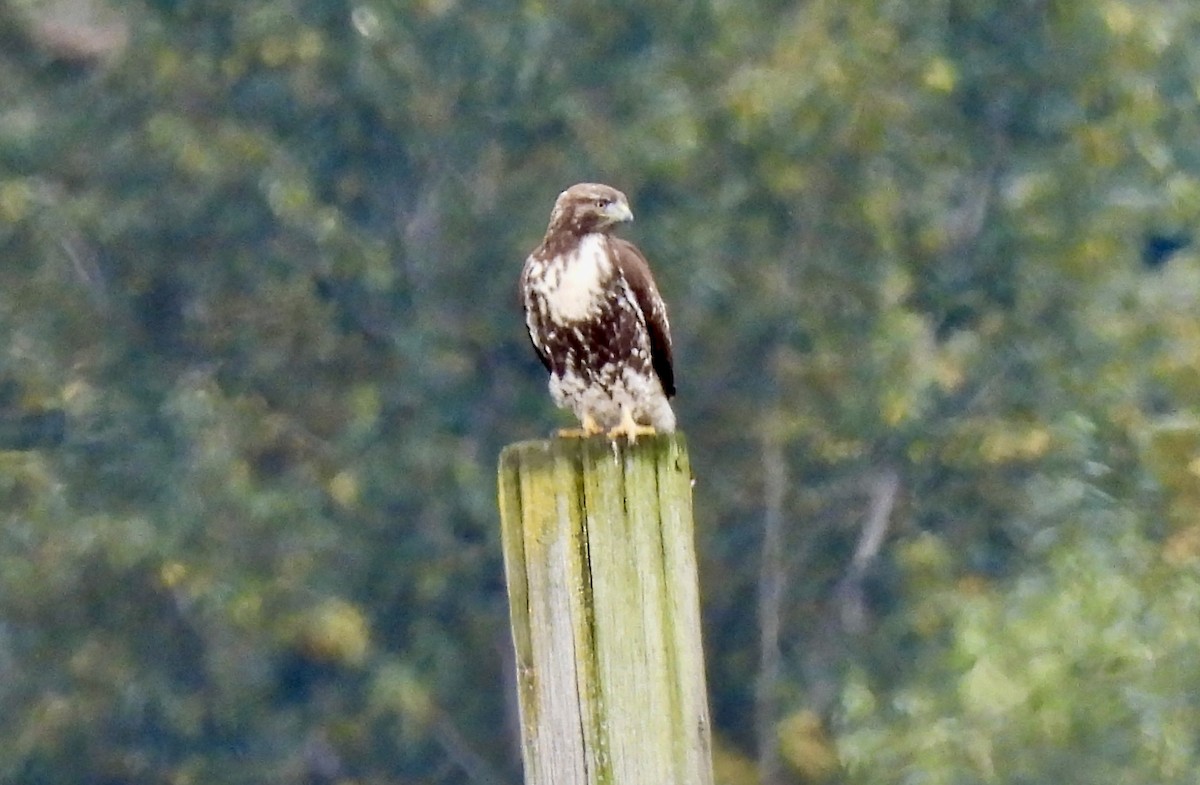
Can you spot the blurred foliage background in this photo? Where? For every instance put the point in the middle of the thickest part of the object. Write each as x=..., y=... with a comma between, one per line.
x=937, y=310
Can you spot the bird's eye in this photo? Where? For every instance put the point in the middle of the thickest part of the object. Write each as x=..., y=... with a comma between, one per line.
x=602, y=203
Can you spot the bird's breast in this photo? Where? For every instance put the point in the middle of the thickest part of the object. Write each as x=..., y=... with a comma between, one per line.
x=574, y=284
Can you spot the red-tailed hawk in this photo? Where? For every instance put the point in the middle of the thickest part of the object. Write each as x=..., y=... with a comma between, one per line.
x=596, y=319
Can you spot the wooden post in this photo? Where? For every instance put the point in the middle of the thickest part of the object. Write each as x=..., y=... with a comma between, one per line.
x=601, y=566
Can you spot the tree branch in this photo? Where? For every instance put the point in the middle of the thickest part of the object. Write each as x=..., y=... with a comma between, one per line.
x=849, y=593
x=772, y=578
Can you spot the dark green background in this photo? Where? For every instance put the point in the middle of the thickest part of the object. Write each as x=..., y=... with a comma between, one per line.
x=261, y=348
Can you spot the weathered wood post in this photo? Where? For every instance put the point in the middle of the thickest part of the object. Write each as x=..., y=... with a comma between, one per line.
x=601, y=566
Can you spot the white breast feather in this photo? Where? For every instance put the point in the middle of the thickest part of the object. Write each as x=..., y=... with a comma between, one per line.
x=573, y=293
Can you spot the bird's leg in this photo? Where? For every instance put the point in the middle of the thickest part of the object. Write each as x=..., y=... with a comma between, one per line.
x=630, y=429
x=589, y=427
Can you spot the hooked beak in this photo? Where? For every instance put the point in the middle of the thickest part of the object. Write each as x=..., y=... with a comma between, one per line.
x=618, y=212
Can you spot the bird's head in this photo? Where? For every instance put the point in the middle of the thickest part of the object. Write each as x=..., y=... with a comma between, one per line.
x=589, y=207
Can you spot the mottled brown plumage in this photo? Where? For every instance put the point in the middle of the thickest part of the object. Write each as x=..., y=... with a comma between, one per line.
x=596, y=319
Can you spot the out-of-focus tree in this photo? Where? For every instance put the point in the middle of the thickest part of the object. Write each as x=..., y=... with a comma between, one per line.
x=258, y=290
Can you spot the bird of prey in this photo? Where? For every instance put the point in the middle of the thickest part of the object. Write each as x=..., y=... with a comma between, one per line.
x=596, y=319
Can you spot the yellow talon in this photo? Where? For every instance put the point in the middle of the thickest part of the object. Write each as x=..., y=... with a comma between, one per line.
x=588, y=428
x=629, y=429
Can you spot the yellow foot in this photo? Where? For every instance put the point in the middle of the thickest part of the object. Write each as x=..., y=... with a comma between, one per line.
x=629, y=429
x=586, y=429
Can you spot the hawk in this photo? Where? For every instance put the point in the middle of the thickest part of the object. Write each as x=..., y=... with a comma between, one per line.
x=596, y=319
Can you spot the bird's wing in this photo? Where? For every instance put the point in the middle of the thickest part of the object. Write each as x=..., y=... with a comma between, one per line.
x=636, y=270
x=532, y=318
